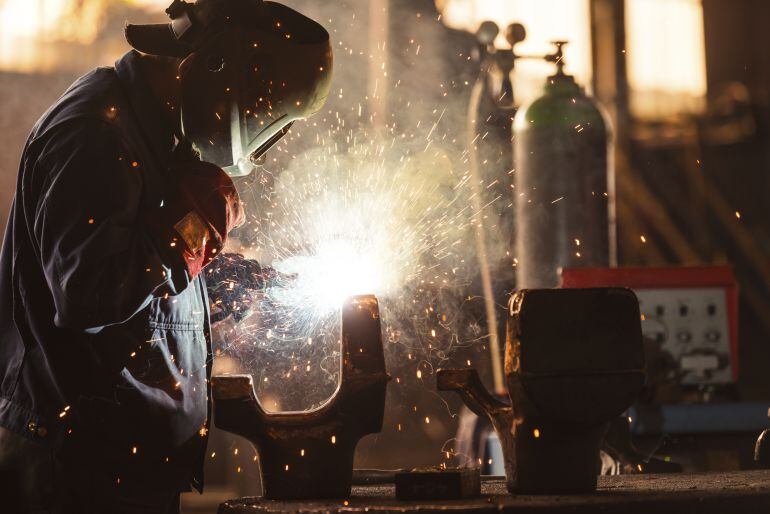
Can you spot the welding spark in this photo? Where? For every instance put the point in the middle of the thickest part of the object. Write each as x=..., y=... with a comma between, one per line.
x=335, y=270
x=389, y=214
x=363, y=226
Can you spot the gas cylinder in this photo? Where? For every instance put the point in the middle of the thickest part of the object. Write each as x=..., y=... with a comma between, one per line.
x=563, y=182
x=490, y=116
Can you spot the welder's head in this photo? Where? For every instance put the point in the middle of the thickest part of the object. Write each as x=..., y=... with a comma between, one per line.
x=252, y=68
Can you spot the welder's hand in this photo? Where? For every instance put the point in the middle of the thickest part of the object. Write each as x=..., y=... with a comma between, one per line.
x=274, y=278
x=203, y=208
x=234, y=283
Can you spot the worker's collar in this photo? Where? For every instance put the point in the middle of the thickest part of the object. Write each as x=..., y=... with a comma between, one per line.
x=148, y=109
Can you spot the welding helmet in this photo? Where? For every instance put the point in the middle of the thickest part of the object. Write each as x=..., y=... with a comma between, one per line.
x=254, y=68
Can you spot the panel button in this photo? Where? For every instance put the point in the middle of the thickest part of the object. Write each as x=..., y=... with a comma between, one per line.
x=711, y=309
x=713, y=336
x=683, y=310
x=684, y=336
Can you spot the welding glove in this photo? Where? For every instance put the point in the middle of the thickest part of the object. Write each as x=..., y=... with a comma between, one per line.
x=202, y=208
x=233, y=283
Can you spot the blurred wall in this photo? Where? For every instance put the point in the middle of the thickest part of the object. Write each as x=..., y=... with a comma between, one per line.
x=25, y=96
x=24, y=99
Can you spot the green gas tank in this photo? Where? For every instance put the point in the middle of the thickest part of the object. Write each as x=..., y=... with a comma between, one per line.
x=563, y=182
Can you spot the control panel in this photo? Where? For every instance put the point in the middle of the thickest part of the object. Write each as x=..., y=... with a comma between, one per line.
x=691, y=312
x=692, y=326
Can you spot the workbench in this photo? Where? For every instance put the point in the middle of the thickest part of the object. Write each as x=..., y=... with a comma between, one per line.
x=701, y=493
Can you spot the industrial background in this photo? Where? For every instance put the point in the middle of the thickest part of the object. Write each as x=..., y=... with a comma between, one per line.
x=684, y=83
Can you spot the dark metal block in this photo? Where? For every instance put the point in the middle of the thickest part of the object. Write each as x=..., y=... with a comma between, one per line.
x=438, y=484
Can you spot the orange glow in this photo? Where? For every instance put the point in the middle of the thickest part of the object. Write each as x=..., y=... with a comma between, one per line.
x=28, y=30
x=33, y=32
x=666, y=56
x=545, y=21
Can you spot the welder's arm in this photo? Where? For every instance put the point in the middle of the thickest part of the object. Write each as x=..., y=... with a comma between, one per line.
x=232, y=281
x=101, y=260
x=202, y=207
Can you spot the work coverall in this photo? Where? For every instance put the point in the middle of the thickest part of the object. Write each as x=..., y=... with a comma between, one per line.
x=104, y=336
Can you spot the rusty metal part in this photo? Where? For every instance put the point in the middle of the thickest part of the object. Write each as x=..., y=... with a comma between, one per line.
x=310, y=454
x=737, y=492
x=438, y=484
x=762, y=449
x=574, y=361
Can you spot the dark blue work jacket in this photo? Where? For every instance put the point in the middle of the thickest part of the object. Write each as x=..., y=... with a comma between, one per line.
x=104, y=342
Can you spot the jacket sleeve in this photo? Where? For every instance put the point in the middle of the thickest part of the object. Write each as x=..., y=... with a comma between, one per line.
x=99, y=259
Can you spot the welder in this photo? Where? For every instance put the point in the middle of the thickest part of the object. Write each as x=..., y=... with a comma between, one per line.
x=123, y=202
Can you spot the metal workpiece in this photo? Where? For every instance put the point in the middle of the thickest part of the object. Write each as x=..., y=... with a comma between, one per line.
x=573, y=362
x=310, y=454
